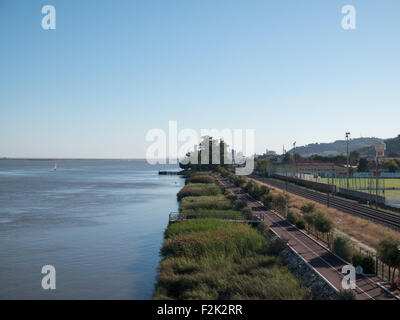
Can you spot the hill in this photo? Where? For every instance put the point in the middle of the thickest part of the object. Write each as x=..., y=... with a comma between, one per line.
x=392, y=148
x=335, y=148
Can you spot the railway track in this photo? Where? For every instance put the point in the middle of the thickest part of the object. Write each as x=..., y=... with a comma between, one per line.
x=318, y=257
x=379, y=216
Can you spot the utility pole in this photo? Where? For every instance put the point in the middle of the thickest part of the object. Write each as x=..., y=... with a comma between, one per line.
x=329, y=190
x=380, y=152
x=377, y=181
x=294, y=158
x=348, y=159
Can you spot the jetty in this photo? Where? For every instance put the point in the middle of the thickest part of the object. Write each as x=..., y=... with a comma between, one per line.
x=164, y=172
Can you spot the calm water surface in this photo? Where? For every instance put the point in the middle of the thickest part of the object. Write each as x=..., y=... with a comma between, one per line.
x=99, y=222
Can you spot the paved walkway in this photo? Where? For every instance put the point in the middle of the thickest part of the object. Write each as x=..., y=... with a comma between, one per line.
x=327, y=264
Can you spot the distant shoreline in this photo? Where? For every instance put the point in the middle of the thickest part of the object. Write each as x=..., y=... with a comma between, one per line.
x=6, y=158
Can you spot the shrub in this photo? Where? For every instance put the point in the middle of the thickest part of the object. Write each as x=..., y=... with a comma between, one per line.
x=389, y=253
x=206, y=202
x=308, y=208
x=276, y=245
x=247, y=212
x=323, y=223
x=205, y=259
x=211, y=213
x=257, y=192
x=230, y=195
x=263, y=227
x=343, y=248
x=189, y=226
x=280, y=202
x=309, y=217
x=301, y=223
x=248, y=186
x=240, y=204
x=267, y=200
x=365, y=261
x=346, y=295
x=292, y=217
x=198, y=189
x=234, y=239
x=236, y=180
x=200, y=179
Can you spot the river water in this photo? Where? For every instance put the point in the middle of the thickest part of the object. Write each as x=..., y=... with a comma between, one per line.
x=100, y=223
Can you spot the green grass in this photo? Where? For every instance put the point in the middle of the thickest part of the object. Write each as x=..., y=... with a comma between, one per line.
x=219, y=202
x=199, y=189
x=200, y=179
x=217, y=214
x=212, y=259
x=354, y=183
x=187, y=226
x=234, y=239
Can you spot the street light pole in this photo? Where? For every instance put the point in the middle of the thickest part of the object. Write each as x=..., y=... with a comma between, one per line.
x=380, y=152
x=294, y=158
x=348, y=159
x=377, y=181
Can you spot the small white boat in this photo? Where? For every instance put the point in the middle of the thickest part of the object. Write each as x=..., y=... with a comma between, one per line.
x=55, y=166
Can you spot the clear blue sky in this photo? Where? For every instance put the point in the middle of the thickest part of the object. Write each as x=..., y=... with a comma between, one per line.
x=112, y=70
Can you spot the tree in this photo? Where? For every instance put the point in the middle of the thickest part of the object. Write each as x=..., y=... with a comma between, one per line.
x=261, y=165
x=392, y=165
x=323, y=223
x=389, y=253
x=280, y=203
x=297, y=157
x=342, y=247
x=308, y=208
x=309, y=217
x=287, y=157
x=363, y=165
x=354, y=157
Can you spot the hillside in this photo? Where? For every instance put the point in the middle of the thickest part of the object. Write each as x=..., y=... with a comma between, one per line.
x=392, y=147
x=337, y=147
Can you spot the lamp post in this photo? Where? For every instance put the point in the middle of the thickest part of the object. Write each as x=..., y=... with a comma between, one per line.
x=294, y=158
x=348, y=159
x=380, y=152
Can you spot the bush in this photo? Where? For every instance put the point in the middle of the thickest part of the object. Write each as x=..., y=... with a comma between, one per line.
x=206, y=202
x=237, y=181
x=200, y=179
x=310, y=218
x=280, y=202
x=365, y=261
x=346, y=295
x=198, y=189
x=323, y=223
x=263, y=227
x=257, y=192
x=230, y=195
x=301, y=223
x=248, y=186
x=240, y=204
x=308, y=208
x=343, y=248
x=267, y=200
x=247, y=212
x=276, y=246
x=292, y=217
x=211, y=213
x=389, y=253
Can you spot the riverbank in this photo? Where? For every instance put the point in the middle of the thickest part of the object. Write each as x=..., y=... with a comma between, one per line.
x=207, y=257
